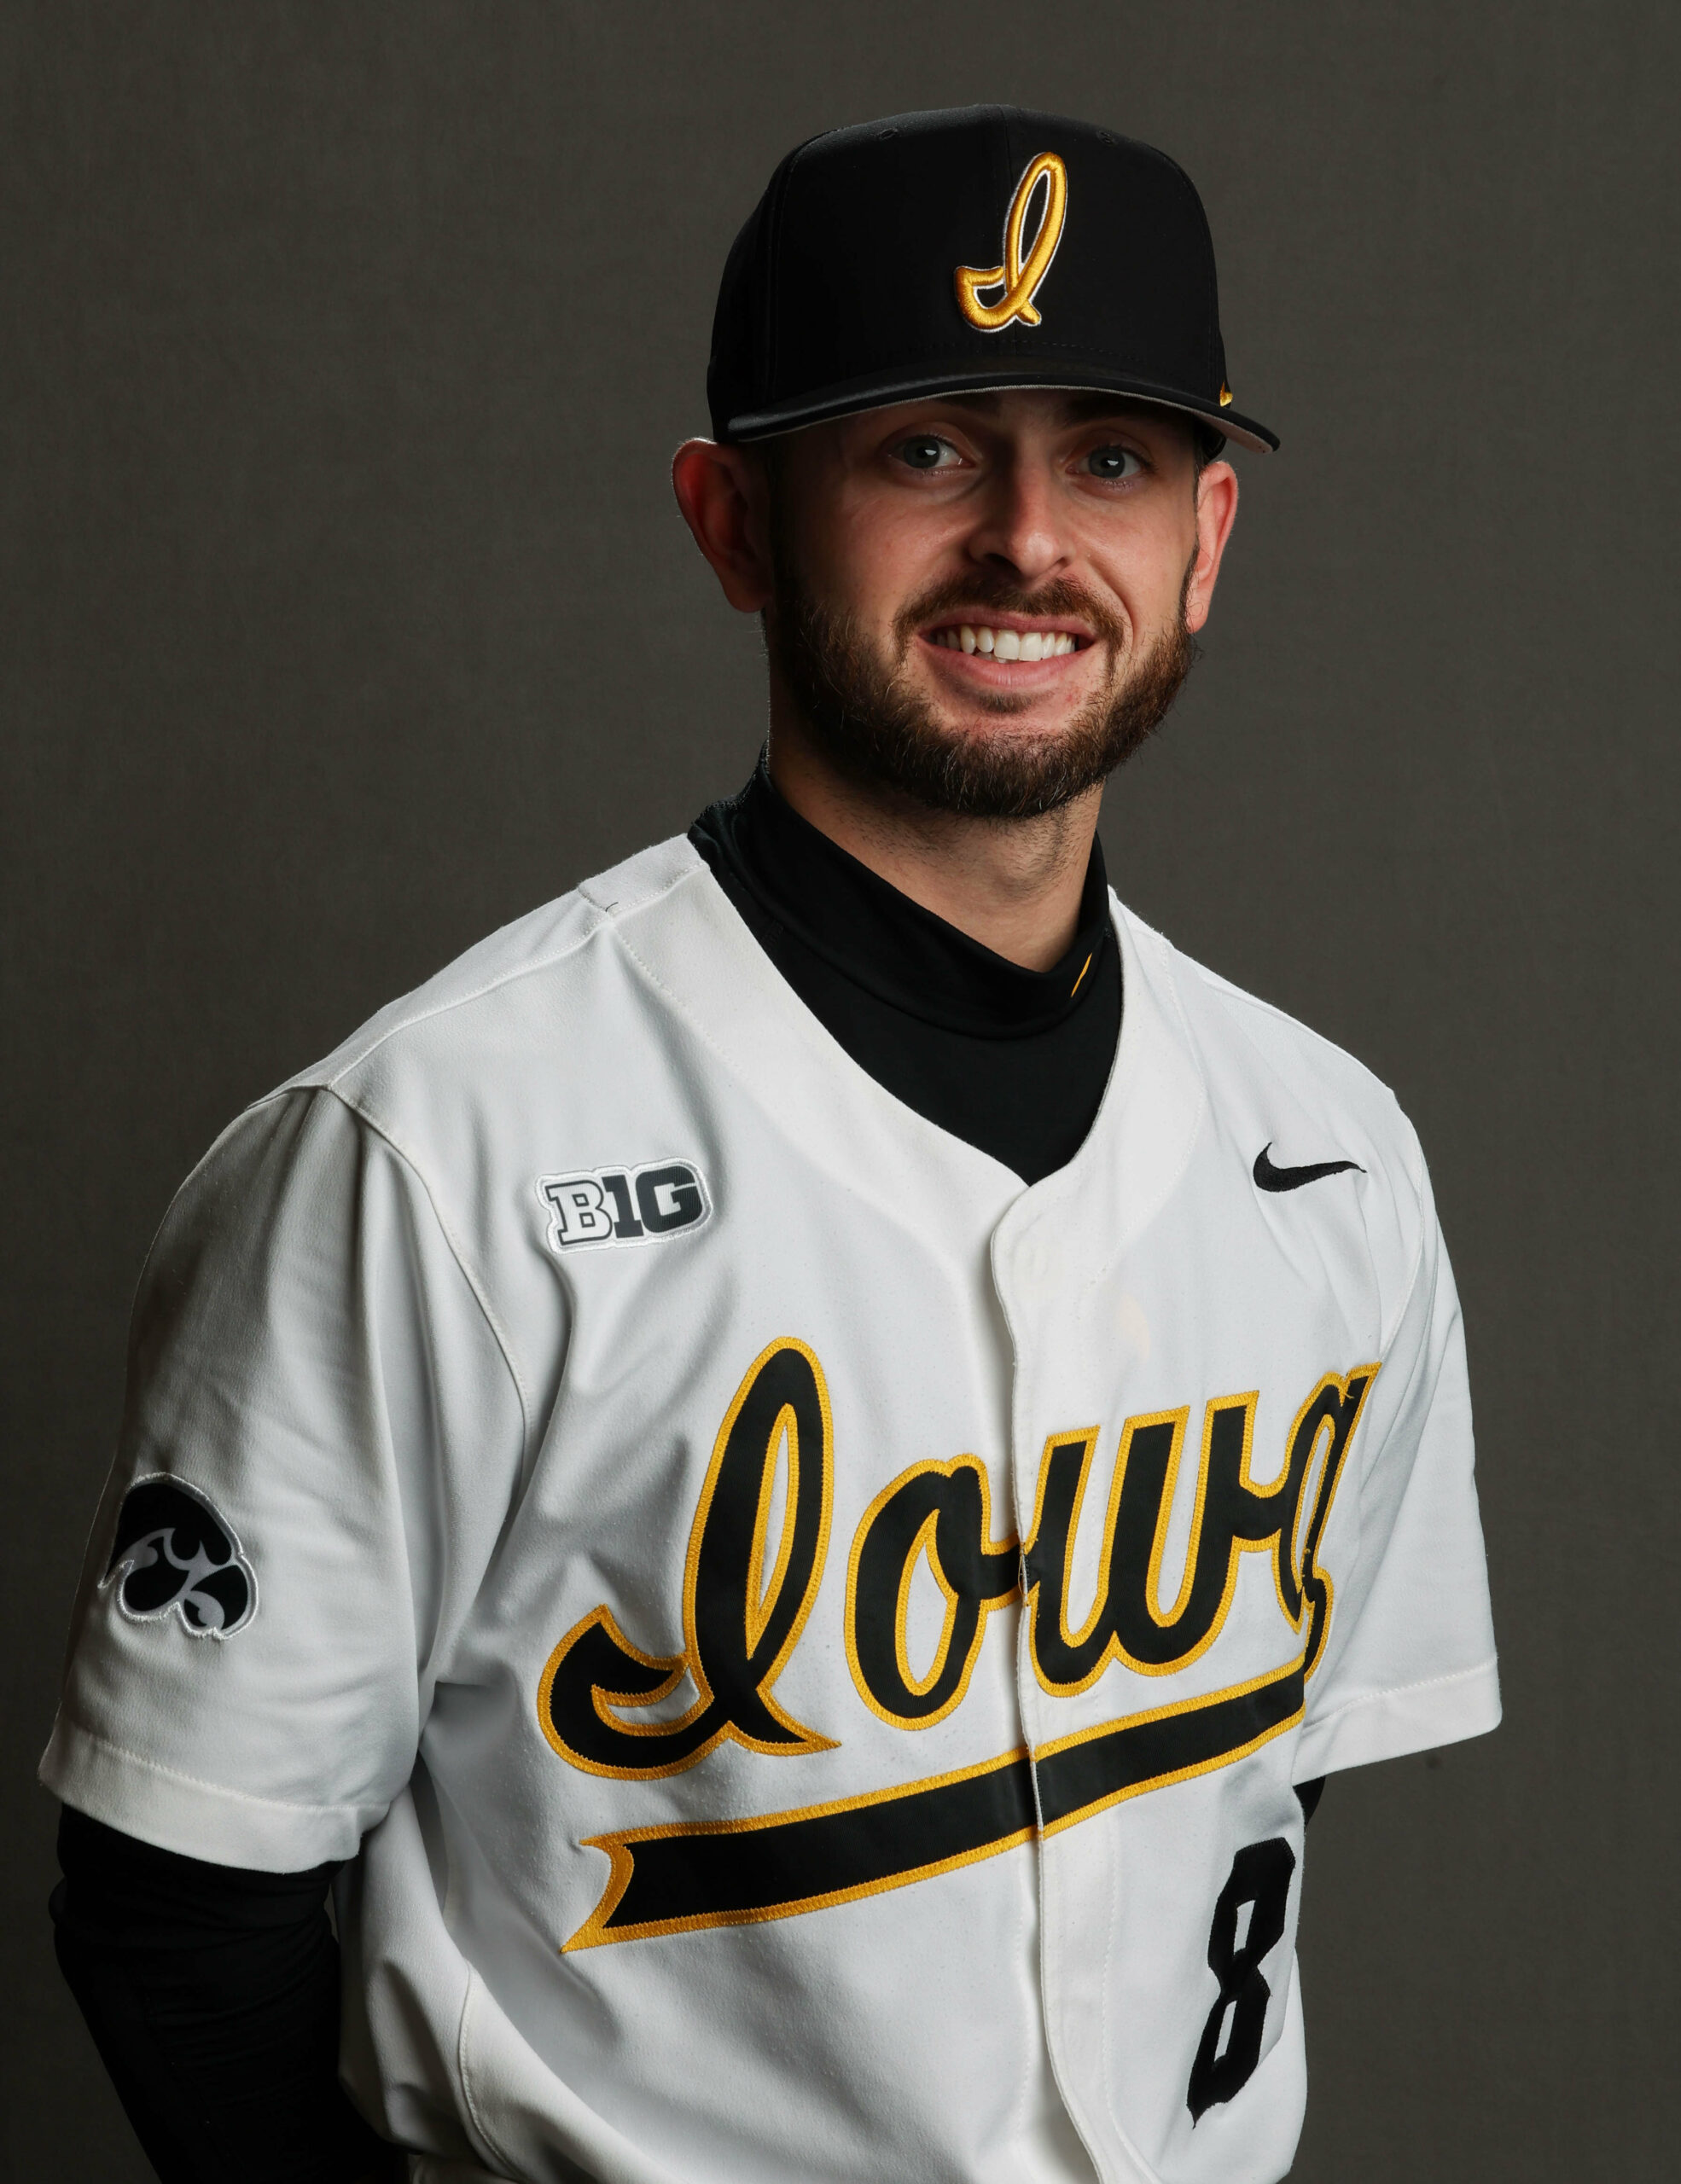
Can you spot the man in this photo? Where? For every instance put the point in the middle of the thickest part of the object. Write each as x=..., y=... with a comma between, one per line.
x=805, y=1459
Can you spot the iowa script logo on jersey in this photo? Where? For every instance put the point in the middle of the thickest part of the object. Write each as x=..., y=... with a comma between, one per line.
x=746, y=1596
x=623, y=1205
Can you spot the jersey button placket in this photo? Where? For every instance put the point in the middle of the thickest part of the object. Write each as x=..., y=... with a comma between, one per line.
x=1032, y=1284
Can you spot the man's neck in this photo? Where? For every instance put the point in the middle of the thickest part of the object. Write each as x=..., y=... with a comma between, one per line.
x=1014, y=884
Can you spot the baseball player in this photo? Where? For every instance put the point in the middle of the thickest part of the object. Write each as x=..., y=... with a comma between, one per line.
x=795, y=1471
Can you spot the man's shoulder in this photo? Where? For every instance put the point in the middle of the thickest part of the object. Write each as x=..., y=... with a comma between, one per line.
x=517, y=993
x=1274, y=1075
x=492, y=1068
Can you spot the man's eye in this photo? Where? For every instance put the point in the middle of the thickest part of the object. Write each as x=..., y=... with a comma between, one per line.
x=1113, y=463
x=926, y=452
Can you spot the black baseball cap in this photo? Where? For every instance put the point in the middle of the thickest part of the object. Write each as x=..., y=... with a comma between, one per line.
x=977, y=247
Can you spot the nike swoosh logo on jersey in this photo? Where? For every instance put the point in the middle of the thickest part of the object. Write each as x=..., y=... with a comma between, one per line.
x=1292, y=1179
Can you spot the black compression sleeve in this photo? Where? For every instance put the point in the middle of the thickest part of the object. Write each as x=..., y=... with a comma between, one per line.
x=213, y=1996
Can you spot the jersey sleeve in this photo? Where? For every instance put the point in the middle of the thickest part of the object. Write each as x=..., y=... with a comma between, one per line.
x=320, y=1439
x=1410, y=1660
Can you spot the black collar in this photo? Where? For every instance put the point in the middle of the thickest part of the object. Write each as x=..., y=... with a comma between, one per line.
x=882, y=941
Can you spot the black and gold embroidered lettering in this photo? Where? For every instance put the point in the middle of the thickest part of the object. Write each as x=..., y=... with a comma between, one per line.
x=737, y=1872
x=942, y=1512
x=1231, y=1516
x=1330, y=1414
x=675, y=1880
x=740, y=1622
x=747, y=1598
x=1023, y=270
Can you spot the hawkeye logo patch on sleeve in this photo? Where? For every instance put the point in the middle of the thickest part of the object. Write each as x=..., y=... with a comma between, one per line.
x=624, y=1205
x=173, y=1550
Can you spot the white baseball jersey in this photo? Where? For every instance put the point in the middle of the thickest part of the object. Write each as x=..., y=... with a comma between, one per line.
x=813, y=1639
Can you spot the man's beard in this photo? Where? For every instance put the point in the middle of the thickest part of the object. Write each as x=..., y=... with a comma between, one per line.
x=877, y=728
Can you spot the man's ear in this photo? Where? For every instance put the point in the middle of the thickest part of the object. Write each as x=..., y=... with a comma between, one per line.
x=724, y=497
x=1216, y=512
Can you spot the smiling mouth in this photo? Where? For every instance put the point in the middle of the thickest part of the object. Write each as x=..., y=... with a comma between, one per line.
x=998, y=642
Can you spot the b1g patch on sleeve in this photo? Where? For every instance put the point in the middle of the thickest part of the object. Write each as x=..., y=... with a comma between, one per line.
x=624, y=1205
x=173, y=1550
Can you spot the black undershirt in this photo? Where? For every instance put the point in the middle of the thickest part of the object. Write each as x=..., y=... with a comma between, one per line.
x=212, y=1996
x=1012, y=1061
x=213, y=1992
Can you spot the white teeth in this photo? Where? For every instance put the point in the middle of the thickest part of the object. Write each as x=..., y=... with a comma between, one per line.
x=1007, y=644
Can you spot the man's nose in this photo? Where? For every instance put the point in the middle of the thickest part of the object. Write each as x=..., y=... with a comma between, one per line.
x=1019, y=530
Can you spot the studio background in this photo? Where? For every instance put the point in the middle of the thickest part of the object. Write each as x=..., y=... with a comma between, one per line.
x=344, y=615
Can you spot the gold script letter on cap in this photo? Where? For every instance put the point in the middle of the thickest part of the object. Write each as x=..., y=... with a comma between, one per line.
x=1018, y=277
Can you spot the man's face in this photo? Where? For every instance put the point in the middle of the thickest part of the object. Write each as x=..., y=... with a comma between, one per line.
x=987, y=601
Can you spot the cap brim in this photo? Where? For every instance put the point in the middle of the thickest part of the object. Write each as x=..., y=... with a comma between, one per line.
x=848, y=397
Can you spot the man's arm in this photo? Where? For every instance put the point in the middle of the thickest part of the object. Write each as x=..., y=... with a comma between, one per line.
x=300, y=1293
x=213, y=1996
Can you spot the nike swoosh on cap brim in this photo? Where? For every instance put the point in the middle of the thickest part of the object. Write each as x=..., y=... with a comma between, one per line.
x=1292, y=1179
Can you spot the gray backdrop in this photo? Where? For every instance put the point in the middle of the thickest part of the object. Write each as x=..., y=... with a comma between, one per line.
x=346, y=615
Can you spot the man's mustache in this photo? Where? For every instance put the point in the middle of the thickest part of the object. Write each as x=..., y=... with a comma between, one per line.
x=980, y=593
